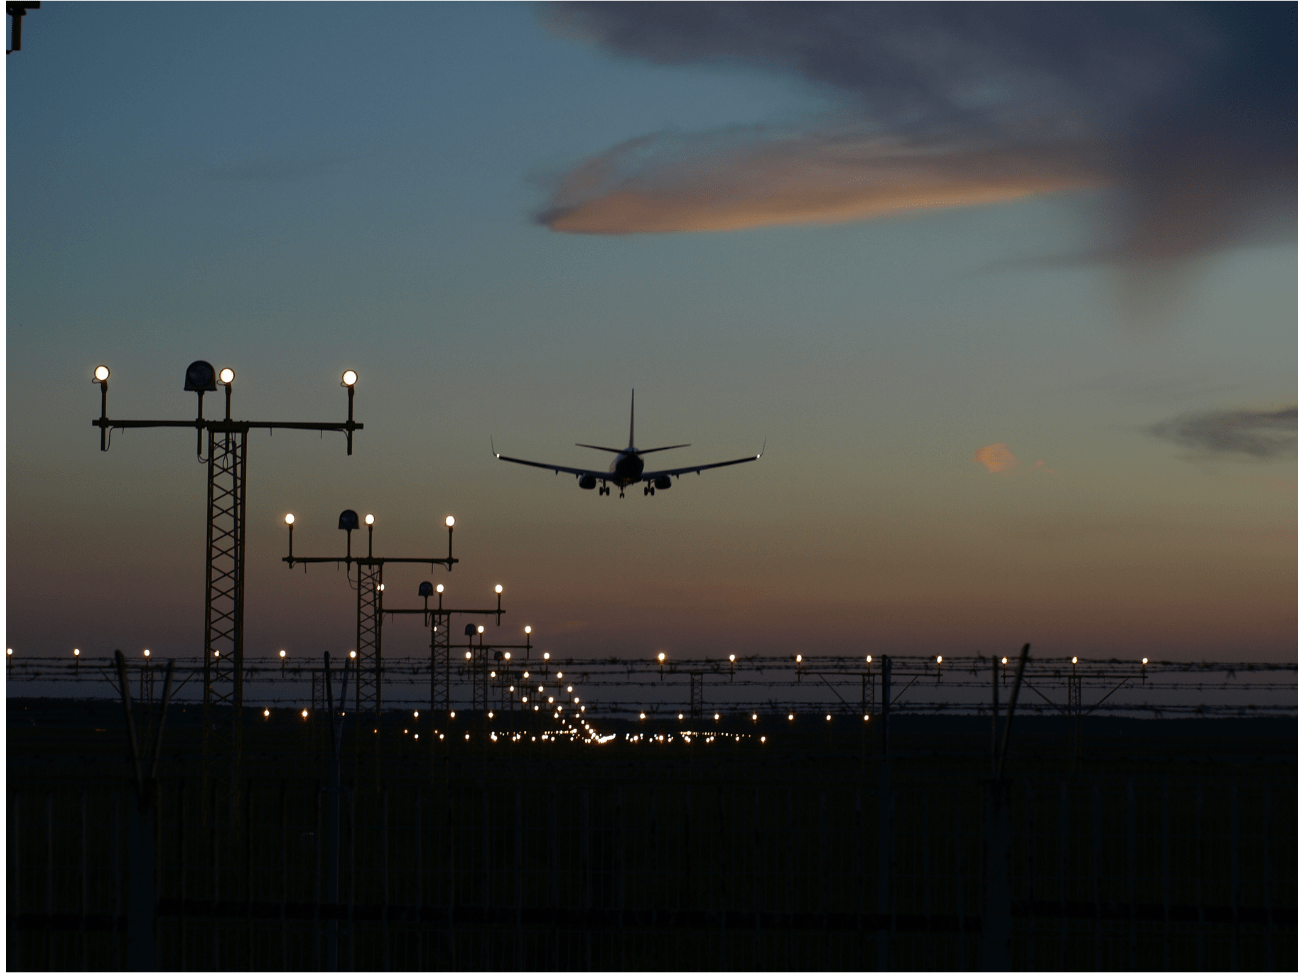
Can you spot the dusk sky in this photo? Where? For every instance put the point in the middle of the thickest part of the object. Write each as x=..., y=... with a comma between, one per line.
x=1010, y=294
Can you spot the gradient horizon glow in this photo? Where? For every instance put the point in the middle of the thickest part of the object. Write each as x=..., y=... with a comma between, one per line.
x=1009, y=392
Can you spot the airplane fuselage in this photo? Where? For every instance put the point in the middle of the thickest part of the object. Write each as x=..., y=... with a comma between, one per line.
x=626, y=469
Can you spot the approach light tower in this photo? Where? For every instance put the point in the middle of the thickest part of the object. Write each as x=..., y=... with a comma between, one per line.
x=369, y=606
x=227, y=482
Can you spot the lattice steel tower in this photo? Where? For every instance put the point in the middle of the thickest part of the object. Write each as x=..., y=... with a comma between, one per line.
x=227, y=482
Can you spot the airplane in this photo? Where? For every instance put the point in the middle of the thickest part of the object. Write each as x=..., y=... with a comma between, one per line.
x=628, y=467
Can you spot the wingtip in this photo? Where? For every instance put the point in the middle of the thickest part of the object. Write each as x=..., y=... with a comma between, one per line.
x=492, y=440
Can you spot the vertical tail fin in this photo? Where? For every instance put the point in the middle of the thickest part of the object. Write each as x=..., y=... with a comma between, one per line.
x=631, y=444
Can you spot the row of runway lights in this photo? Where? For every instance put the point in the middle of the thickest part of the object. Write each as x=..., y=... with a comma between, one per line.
x=662, y=656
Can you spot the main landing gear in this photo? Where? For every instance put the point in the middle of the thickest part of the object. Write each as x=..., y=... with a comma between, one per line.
x=649, y=490
x=603, y=489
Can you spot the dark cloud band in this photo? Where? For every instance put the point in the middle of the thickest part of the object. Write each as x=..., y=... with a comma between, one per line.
x=1242, y=432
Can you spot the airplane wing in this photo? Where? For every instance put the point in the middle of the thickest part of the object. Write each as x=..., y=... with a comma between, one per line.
x=598, y=474
x=699, y=469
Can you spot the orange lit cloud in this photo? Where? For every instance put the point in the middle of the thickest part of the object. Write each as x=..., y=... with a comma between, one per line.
x=998, y=459
x=665, y=184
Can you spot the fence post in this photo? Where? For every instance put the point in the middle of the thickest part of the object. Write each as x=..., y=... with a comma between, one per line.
x=885, y=814
x=1097, y=859
x=994, y=943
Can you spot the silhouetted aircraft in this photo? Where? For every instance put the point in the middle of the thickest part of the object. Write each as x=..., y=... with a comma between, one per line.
x=628, y=467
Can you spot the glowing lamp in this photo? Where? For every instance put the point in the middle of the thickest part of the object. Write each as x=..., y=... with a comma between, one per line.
x=349, y=378
x=227, y=376
x=101, y=373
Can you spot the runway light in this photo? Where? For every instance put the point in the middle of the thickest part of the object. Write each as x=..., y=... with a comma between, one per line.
x=680, y=716
x=507, y=656
x=798, y=659
x=754, y=717
x=468, y=655
x=146, y=653
x=216, y=653
x=227, y=376
x=304, y=714
x=790, y=717
x=352, y=653
x=716, y=716
x=266, y=713
x=527, y=675
x=662, y=657
x=545, y=656
x=1005, y=660
x=491, y=716
x=450, y=521
x=939, y=660
x=481, y=629
x=349, y=378
x=499, y=588
x=867, y=717
x=76, y=652
x=452, y=714
x=1144, y=662
x=441, y=588
x=763, y=739
x=869, y=658
x=828, y=717
x=369, y=520
x=641, y=715
x=527, y=629
x=732, y=657
x=101, y=373
x=289, y=519
x=558, y=675
x=416, y=714
x=1074, y=660
x=576, y=700
x=282, y=653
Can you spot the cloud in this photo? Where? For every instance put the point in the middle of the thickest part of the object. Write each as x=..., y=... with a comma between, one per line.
x=996, y=457
x=664, y=183
x=1258, y=434
x=1189, y=113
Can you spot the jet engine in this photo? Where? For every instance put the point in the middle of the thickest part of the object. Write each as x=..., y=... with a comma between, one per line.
x=663, y=483
x=587, y=482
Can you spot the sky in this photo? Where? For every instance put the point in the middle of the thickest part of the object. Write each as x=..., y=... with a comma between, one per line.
x=1008, y=293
